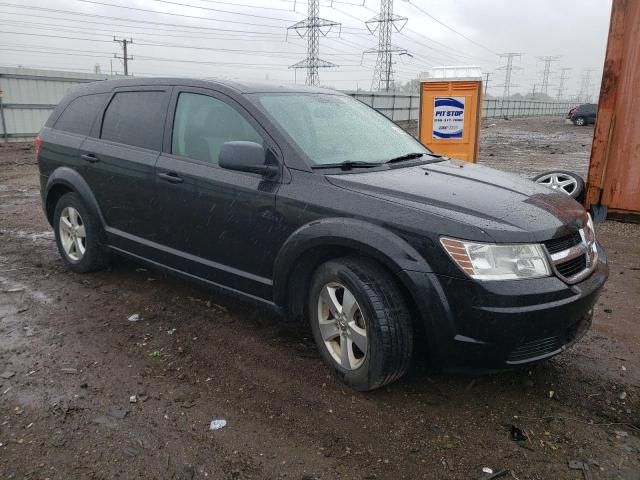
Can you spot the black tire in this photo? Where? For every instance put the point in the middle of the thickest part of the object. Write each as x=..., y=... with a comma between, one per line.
x=95, y=256
x=577, y=194
x=385, y=314
x=580, y=121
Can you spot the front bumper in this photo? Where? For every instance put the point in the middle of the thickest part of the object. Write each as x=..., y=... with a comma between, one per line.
x=485, y=326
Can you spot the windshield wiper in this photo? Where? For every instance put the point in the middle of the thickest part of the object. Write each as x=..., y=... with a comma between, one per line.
x=413, y=156
x=407, y=156
x=347, y=165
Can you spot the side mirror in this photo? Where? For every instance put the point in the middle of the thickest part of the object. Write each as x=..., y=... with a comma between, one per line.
x=246, y=157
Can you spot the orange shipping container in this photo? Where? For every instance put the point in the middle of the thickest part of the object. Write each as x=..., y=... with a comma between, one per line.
x=614, y=171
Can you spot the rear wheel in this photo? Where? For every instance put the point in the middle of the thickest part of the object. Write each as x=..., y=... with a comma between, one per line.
x=360, y=322
x=77, y=235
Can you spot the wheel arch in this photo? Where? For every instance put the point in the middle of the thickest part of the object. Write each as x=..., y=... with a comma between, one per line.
x=318, y=242
x=64, y=180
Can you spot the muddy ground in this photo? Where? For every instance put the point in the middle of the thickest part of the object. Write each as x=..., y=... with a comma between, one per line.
x=530, y=146
x=70, y=361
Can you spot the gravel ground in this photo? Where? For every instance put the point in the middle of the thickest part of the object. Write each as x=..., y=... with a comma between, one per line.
x=70, y=361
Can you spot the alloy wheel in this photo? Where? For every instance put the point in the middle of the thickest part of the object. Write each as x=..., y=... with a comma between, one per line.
x=342, y=326
x=559, y=181
x=73, y=234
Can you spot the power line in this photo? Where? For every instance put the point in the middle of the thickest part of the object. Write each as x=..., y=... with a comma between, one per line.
x=196, y=17
x=508, y=69
x=312, y=27
x=385, y=22
x=449, y=27
x=138, y=21
x=218, y=10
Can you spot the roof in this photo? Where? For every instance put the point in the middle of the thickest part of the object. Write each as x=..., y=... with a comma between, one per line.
x=239, y=87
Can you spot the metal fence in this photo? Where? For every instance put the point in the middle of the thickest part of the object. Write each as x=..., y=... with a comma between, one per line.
x=29, y=96
x=405, y=107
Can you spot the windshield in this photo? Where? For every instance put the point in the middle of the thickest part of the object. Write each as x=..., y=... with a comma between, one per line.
x=337, y=128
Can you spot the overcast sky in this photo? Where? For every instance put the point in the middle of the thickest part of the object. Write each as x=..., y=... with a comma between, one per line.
x=247, y=39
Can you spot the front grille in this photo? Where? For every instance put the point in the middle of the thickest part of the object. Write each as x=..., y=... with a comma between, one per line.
x=556, y=245
x=572, y=267
x=534, y=349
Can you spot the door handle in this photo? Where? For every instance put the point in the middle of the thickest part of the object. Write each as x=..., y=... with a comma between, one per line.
x=90, y=157
x=171, y=177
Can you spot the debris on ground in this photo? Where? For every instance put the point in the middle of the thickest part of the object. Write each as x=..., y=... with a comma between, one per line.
x=135, y=317
x=576, y=465
x=133, y=399
x=217, y=424
x=517, y=435
x=7, y=375
x=69, y=371
x=118, y=413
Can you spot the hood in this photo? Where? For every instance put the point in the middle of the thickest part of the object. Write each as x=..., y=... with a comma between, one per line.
x=504, y=206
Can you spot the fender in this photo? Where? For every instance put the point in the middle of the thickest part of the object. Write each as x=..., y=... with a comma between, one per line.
x=73, y=180
x=370, y=239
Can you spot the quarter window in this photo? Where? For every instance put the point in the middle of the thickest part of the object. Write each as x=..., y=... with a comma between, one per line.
x=203, y=124
x=80, y=114
x=135, y=118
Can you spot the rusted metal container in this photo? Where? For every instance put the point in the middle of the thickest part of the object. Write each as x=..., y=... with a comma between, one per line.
x=614, y=170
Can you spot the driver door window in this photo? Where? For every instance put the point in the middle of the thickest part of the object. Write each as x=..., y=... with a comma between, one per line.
x=202, y=124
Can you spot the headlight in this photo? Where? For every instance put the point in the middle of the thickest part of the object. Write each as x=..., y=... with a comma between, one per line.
x=489, y=261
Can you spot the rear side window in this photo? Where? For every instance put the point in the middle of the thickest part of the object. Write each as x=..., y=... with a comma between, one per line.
x=135, y=118
x=80, y=114
x=202, y=124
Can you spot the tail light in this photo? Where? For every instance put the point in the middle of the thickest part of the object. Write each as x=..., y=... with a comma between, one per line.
x=37, y=143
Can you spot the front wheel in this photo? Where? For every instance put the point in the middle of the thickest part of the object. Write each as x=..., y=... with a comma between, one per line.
x=77, y=235
x=360, y=322
x=580, y=121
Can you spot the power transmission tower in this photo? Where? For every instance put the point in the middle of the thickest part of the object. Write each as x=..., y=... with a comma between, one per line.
x=544, y=88
x=486, y=82
x=585, y=85
x=508, y=69
x=312, y=27
x=385, y=23
x=563, y=79
x=125, y=58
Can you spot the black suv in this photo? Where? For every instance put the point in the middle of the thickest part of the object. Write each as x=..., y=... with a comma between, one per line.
x=583, y=114
x=310, y=202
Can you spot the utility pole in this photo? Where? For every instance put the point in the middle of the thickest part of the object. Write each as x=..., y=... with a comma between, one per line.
x=312, y=27
x=125, y=58
x=544, y=88
x=585, y=85
x=486, y=83
x=563, y=79
x=533, y=94
x=508, y=69
x=384, y=23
